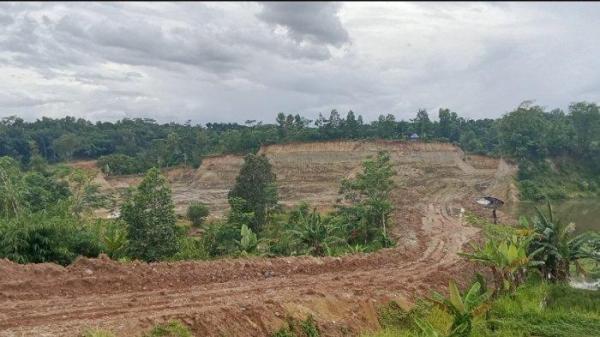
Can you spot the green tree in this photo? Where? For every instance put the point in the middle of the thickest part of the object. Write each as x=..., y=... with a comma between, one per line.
x=150, y=217
x=586, y=121
x=85, y=193
x=449, y=125
x=369, y=195
x=423, y=125
x=66, y=145
x=255, y=185
x=386, y=126
x=524, y=132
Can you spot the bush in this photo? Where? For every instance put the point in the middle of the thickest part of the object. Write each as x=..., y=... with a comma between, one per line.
x=197, y=212
x=190, y=249
x=221, y=238
x=39, y=238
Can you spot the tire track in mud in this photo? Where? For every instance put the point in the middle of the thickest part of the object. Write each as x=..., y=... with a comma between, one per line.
x=248, y=305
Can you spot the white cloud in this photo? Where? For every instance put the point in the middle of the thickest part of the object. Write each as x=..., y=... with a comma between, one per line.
x=238, y=61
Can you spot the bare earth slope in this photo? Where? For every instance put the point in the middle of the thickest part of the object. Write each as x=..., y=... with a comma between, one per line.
x=251, y=297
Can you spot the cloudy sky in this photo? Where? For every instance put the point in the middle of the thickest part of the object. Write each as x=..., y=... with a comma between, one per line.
x=238, y=61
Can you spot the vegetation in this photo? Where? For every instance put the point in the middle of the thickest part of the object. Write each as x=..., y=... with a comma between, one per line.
x=536, y=309
x=354, y=227
x=197, y=212
x=558, y=152
x=150, y=217
x=464, y=308
x=559, y=248
x=170, y=329
x=369, y=196
x=298, y=328
x=47, y=216
x=40, y=214
x=523, y=302
x=254, y=190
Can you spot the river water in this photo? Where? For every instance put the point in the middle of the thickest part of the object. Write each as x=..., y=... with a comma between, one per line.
x=584, y=213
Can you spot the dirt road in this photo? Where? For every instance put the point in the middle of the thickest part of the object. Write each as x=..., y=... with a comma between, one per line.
x=251, y=297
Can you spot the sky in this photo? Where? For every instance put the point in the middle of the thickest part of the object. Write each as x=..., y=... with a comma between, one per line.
x=231, y=62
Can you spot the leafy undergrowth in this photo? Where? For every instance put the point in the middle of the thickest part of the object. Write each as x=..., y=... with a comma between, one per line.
x=296, y=328
x=537, y=309
x=170, y=329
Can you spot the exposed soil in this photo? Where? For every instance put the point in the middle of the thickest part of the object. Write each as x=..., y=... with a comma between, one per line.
x=251, y=297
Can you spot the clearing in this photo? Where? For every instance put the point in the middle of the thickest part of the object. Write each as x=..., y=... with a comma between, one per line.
x=251, y=297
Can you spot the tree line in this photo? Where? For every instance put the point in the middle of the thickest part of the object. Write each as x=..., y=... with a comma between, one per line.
x=530, y=134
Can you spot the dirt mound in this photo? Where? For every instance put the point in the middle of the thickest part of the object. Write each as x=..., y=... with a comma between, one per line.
x=252, y=297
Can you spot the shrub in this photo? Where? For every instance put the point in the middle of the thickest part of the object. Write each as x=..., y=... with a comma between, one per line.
x=221, y=238
x=37, y=238
x=190, y=249
x=197, y=212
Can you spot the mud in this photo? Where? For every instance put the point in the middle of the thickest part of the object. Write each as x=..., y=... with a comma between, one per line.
x=252, y=297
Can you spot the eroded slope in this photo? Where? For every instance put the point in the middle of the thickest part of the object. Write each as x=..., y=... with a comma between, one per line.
x=251, y=297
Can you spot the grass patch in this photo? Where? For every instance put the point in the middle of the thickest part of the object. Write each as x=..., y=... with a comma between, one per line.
x=298, y=328
x=170, y=329
x=537, y=309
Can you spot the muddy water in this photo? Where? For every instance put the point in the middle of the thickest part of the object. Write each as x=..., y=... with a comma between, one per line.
x=584, y=213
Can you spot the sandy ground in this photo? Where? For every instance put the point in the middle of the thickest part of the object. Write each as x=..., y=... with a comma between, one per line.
x=252, y=297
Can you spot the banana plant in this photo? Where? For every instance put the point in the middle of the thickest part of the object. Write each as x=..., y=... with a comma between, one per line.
x=508, y=260
x=248, y=241
x=463, y=307
x=559, y=246
x=115, y=241
x=314, y=233
x=427, y=330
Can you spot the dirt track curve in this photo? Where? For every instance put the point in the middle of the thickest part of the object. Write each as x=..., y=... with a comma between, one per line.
x=251, y=297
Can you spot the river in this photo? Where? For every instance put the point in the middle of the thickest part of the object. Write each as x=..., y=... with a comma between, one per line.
x=585, y=213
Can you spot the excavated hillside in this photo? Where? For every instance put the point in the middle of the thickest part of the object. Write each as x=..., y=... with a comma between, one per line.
x=252, y=297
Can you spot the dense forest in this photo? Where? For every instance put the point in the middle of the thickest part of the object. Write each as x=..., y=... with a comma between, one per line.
x=530, y=135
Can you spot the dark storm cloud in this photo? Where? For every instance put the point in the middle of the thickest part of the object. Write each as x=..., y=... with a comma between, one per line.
x=313, y=21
